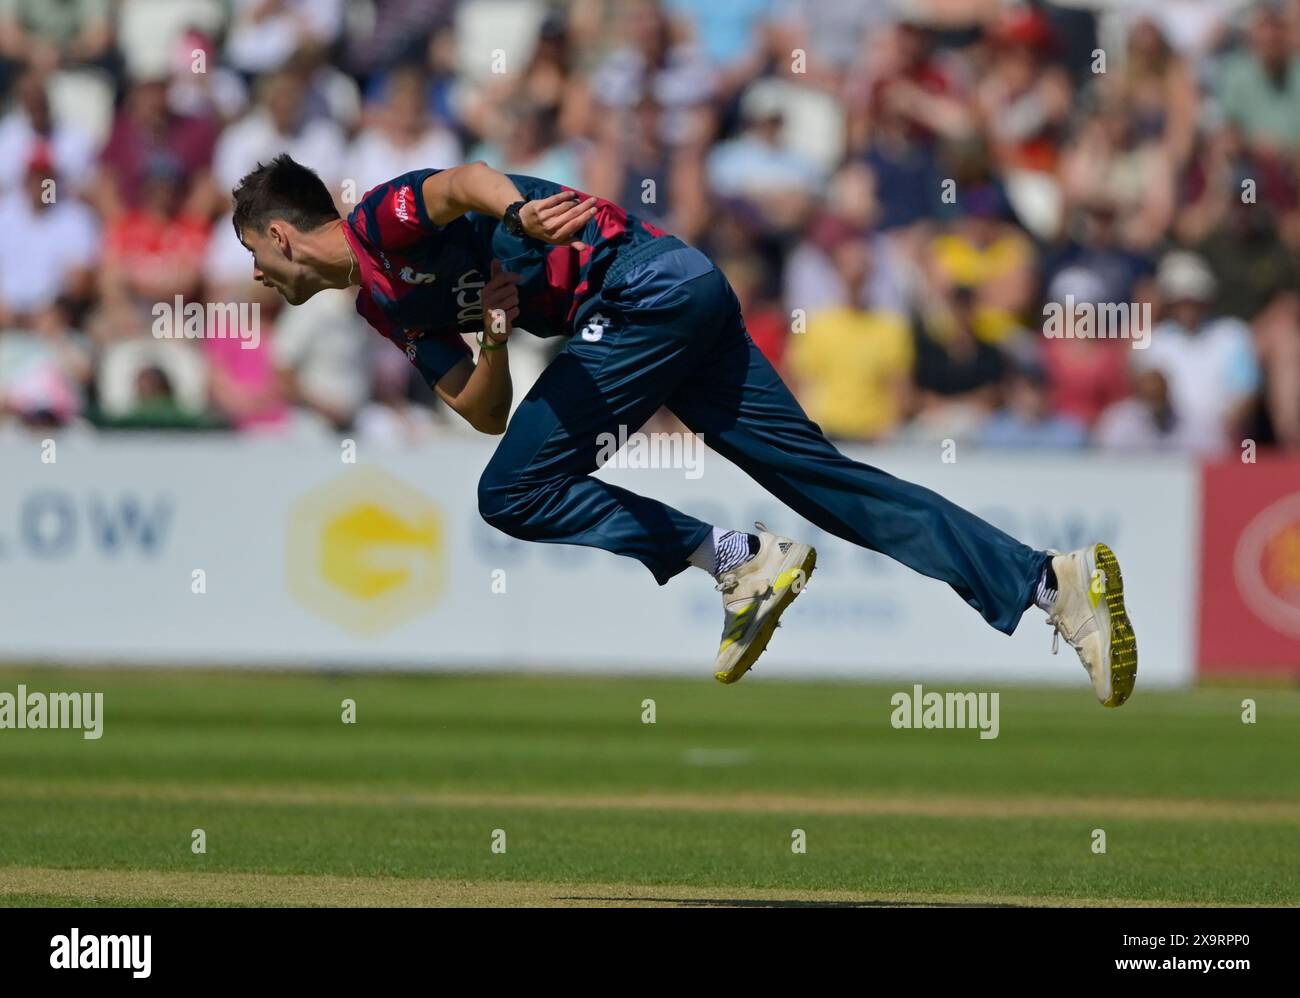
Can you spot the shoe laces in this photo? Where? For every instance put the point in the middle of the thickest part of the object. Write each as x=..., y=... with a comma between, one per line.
x=1056, y=622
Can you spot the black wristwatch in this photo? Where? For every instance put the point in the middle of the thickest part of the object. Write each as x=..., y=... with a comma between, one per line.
x=511, y=220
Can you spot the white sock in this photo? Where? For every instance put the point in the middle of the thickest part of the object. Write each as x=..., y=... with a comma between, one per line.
x=722, y=550
x=705, y=556
x=1046, y=591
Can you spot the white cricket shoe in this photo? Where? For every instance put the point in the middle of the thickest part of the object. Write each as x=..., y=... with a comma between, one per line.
x=1089, y=614
x=754, y=595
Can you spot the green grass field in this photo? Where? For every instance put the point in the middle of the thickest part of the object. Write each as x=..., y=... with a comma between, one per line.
x=600, y=808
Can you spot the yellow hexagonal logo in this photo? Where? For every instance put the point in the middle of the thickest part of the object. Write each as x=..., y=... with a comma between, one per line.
x=365, y=551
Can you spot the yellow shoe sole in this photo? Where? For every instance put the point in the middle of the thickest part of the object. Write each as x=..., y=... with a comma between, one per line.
x=792, y=587
x=1123, y=642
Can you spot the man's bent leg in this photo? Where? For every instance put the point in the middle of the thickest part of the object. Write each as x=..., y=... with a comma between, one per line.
x=537, y=485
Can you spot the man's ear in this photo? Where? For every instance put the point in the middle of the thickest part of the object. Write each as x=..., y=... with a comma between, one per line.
x=278, y=233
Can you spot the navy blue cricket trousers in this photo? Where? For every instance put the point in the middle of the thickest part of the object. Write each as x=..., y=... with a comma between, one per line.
x=668, y=332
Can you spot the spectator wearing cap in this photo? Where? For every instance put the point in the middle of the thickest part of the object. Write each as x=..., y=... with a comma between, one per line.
x=1208, y=362
x=49, y=248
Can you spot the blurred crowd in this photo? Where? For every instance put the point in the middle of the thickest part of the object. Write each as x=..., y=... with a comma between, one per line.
x=897, y=189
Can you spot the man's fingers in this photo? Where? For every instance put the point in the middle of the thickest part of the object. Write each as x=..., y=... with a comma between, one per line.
x=571, y=228
x=562, y=213
x=495, y=268
x=546, y=205
x=586, y=208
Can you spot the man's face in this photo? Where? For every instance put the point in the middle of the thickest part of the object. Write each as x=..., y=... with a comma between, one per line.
x=274, y=264
x=1188, y=313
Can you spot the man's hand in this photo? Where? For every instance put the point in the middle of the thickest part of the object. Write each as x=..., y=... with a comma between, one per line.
x=558, y=218
x=500, y=303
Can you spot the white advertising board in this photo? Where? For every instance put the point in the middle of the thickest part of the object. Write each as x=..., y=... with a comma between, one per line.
x=306, y=561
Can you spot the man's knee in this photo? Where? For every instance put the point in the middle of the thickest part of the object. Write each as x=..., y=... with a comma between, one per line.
x=495, y=504
x=511, y=502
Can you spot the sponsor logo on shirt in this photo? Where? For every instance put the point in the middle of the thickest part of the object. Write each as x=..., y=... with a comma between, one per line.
x=409, y=275
x=403, y=212
x=469, y=296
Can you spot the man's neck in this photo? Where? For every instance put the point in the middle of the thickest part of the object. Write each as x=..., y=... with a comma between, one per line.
x=330, y=255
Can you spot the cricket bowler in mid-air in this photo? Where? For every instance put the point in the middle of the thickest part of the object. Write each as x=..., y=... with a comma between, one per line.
x=650, y=322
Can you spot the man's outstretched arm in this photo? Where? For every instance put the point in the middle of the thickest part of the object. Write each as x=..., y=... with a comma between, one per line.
x=477, y=187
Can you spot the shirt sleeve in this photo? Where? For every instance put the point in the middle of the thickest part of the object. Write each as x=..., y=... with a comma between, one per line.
x=434, y=356
x=393, y=215
x=432, y=353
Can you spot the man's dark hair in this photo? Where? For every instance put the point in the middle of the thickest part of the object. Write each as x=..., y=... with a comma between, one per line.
x=282, y=189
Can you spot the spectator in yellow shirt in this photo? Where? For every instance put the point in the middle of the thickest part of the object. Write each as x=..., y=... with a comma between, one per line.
x=852, y=366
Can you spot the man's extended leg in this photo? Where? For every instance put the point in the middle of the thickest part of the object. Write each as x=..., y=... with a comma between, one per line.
x=747, y=414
